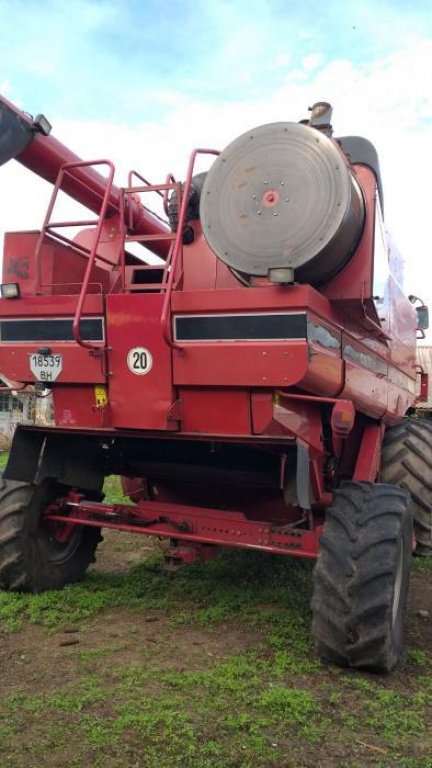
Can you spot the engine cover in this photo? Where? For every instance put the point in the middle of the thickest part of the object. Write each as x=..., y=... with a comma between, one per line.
x=283, y=195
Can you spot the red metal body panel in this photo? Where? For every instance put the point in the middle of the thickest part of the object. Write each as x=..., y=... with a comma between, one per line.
x=267, y=298
x=79, y=366
x=369, y=455
x=259, y=364
x=354, y=282
x=62, y=268
x=201, y=271
x=50, y=306
x=325, y=372
x=75, y=406
x=139, y=401
x=302, y=419
x=215, y=411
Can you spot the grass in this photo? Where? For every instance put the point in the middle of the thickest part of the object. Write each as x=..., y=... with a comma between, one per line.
x=270, y=704
x=251, y=708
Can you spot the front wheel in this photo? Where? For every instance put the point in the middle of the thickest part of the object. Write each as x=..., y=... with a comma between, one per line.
x=37, y=555
x=361, y=577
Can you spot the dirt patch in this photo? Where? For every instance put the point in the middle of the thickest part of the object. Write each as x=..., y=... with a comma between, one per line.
x=347, y=729
x=36, y=660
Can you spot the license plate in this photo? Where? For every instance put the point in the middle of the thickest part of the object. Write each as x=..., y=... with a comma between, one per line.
x=46, y=367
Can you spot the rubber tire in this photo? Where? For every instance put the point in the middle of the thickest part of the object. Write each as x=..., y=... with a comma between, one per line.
x=407, y=461
x=24, y=562
x=364, y=561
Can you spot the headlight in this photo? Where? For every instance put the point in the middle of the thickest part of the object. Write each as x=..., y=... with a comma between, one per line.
x=10, y=290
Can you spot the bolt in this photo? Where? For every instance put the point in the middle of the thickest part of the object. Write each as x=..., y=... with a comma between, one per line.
x=254, y=197
x=287, y=199
x=276, y=214
x=258, y=213
x=282, y=183
x=265, y=182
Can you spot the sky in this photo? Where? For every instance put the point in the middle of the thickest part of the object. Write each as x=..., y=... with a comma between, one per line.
x=143, y=82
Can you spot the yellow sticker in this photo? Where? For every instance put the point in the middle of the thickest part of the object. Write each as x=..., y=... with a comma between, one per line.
x=101, y=395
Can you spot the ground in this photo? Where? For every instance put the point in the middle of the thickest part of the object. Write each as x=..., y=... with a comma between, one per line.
x=208, y=668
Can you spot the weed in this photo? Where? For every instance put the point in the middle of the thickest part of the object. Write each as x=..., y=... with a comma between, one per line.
x=419, y=657
x=263, y=707
x=295, y=706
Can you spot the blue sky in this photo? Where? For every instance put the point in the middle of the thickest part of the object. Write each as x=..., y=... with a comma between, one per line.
x=113, y=59
x=143, y=82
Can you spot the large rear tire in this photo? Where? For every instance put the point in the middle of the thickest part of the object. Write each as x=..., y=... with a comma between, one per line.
x=361, y=577
x=32, y=557
x=407, y=462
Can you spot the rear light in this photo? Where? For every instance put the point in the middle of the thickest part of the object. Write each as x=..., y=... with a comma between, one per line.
x=10, y=290
x=342, y=418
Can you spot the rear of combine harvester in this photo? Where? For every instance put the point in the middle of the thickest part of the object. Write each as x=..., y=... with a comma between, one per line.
x=250, y=389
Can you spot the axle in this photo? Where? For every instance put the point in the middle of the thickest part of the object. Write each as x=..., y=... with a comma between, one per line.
x=189, y=524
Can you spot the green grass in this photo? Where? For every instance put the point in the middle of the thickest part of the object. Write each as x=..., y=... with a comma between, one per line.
x=248, y=710
x=272, y=705
x=422, y=565
x=113, y=491
x=239, y=711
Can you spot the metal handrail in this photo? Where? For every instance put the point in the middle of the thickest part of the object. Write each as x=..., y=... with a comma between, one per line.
x=177, y=251
x=92, y=254
x=48, y=225
x=170, y=179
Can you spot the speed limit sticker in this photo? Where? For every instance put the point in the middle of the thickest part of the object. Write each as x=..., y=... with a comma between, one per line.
x=139, y=360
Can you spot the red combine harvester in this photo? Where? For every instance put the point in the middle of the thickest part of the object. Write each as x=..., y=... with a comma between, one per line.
x=250, y=388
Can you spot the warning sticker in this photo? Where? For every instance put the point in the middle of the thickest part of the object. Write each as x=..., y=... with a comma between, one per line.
x=101, y=395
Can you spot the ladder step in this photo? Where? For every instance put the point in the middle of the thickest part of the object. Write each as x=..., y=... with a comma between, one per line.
x=145, y=287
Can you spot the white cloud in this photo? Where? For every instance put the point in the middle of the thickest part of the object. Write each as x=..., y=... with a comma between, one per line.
x=311, y=62
x=5, y=86
x=386, y=102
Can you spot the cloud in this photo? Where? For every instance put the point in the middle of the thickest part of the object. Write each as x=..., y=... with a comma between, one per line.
x=261, y=64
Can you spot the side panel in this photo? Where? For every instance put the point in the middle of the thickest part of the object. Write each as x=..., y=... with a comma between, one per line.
x=138, y=400
x=365, y=378
x=216, y=411
x=259, y=364
x=62, y=267
x=45, y=312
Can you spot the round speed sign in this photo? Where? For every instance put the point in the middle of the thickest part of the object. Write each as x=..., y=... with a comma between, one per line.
x=139, y=360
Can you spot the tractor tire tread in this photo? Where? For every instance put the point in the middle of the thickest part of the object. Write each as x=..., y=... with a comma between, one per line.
x=407, y=462
x=23, y=563
x=359, y=571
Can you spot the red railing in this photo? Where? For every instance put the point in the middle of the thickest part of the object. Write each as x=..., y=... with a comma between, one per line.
x=177, y=253
x=49, y=226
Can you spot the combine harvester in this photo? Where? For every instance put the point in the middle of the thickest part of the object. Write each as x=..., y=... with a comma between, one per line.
x=250, y=389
